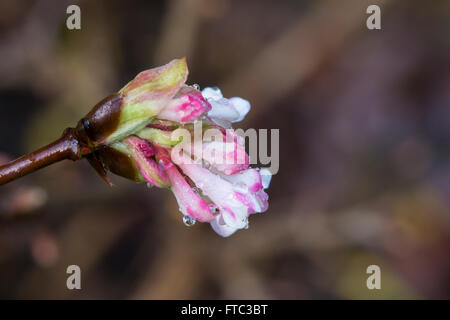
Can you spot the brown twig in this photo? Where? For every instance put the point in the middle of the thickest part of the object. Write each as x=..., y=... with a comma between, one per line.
x=66, y=147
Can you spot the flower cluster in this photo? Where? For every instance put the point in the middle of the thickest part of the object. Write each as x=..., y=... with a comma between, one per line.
x=157, y=114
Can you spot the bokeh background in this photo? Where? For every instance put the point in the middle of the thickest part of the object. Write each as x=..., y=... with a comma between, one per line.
x=364, y=119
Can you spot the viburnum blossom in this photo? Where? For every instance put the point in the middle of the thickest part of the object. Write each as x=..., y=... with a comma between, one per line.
x=218, y=186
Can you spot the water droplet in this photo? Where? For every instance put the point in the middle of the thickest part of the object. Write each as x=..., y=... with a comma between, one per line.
x=188, y=221
x=213, y=208
x=196, y=86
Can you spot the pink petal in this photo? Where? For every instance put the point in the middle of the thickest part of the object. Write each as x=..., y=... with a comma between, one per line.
x=190, y=203
x=249, y=190
x=142, y=151
x=226, y=157
x=220, y=191
x=263, y=199
x=187, y=106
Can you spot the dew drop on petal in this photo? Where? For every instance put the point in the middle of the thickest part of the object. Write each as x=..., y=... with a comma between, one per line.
x=188, y=221
x=196, y=86
x=213, y=208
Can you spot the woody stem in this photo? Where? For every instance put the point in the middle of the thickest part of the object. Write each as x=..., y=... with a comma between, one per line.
x=66, y=147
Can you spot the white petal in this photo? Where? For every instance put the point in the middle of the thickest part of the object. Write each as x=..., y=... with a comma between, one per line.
x=266, y=176
x=223, y=109
x=220, y=191
x=237, y=216
x=242, y=106
x=250, y=185
x=212, y=93
x=221, y=228
x=222, y=123
x=250, y=179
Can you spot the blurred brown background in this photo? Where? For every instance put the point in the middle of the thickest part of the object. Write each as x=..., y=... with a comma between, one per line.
x=364, y=119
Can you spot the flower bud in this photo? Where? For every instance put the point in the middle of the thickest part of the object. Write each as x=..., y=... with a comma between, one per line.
x=160, y=137
x=117, y=159
x=142, y=152
x=187, y=106
x=136, y=133
x=225, y=111
x=134, y=106
x=189, y=202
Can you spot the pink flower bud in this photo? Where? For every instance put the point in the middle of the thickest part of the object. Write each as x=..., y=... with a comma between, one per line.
x=188, y=105
x=227, y=156
x=134, y=135
x=225, y=153
x=142, y=151
x=236, y=196
x=189, y=202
